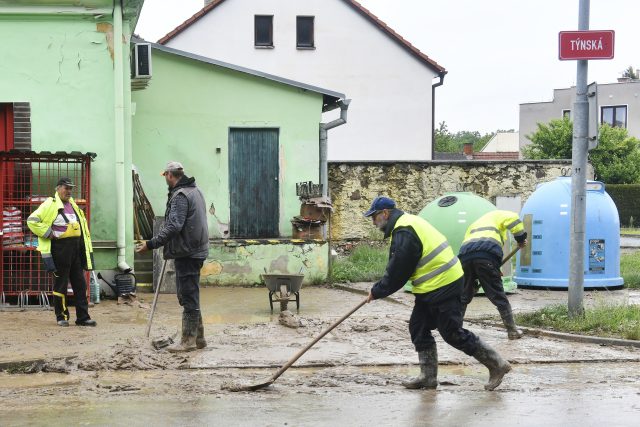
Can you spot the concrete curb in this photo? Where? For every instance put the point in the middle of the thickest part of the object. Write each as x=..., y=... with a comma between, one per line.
x=528, y=331
x=563, y=335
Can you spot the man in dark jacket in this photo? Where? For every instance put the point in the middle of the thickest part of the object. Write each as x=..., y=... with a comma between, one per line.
x=185, y=238
x=420, y=253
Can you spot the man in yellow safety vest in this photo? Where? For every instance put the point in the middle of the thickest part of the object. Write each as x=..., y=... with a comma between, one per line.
x=481, y=257
x=421, y=254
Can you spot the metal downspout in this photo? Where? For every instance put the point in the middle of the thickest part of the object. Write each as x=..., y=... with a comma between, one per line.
x=433, y=113
x=324, y=127
x=324, y=168
x=118, y=87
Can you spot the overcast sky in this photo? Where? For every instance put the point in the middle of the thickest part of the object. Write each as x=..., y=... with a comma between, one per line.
x=499, y=53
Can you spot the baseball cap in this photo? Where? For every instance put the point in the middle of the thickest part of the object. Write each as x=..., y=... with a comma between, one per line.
x=65, y=181
x=380, y=203
x=172, y=166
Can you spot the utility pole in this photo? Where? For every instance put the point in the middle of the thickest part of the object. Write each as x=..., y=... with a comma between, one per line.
x=578, y=177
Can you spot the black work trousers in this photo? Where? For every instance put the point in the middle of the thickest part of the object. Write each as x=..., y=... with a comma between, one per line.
x=487, y=273
x=441, y=309
x=188, y=283
x=66, y=254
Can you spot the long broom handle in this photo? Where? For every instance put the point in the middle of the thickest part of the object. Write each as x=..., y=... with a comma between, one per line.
x=155, y=297
x=318, y=338
x=508, y=257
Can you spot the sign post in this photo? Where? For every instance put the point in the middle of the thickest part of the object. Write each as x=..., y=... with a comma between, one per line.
x=582, y=46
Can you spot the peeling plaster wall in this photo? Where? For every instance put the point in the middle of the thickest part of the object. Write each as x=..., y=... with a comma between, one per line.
x=63, y=66
x=413, y=185
x=243, y=264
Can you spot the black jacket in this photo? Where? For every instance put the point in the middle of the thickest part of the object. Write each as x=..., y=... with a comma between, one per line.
x=404, y=254
x=185, y=232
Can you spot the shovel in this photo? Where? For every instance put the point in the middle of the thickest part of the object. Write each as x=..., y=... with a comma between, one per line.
x=274, y=377
x=155, y=298
x=511, y=254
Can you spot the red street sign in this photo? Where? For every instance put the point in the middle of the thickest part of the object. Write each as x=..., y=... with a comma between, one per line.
x=586, y=44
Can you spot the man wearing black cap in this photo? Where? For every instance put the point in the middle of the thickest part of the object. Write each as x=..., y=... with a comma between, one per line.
x=185, y=238
x=65, y=245
x=421, y=254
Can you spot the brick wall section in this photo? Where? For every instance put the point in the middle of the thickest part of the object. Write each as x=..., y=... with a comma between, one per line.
x=413, y=185
x=22, y=125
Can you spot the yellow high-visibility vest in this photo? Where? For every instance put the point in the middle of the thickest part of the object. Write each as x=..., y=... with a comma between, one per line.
x=438, y=265
x=491, y=228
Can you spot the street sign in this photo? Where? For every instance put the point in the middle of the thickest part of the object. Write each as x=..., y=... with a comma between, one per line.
x=586, y=44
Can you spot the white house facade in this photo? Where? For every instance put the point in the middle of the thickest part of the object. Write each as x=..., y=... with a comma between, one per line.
x=618, y=105
x=329, y=43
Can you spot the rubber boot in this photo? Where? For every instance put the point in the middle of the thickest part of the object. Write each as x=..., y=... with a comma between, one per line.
x=428, y=377
x=497, y=366
x=464, y=310
x=200, y=341
x=189, y=333
x=513, y=333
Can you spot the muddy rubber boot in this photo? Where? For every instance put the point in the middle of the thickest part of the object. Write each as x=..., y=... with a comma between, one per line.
x=189, y=333
x=200, y=341
x=428, y=377
x=513, y=333
x=498, y=367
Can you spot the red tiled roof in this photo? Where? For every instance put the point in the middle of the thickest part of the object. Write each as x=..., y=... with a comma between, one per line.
x=354, y=4
x=503, y=155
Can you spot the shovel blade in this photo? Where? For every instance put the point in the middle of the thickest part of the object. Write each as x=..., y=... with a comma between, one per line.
x=246, y=387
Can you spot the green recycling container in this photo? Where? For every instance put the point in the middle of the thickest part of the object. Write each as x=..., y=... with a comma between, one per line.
x=452, y=213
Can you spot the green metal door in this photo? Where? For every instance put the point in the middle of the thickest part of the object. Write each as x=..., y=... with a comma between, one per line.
x=253, y=183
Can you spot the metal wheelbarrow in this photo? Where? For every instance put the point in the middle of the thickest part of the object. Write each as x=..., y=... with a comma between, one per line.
x=283, y=288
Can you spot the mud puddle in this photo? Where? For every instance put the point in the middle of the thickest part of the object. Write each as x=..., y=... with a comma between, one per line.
x=532, y=395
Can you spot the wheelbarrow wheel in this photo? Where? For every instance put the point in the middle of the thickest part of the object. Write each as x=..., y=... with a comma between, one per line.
x=283, y=305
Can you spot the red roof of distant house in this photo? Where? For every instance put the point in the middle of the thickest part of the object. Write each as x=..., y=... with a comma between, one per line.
x=504, y=155
x=354, y=4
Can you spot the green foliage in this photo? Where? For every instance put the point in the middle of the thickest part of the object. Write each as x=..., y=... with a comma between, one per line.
x=365, y=264
x=627, y=200
x=616, y=160
x=630, y=72
x=550, y=141
x=446, y=142
x=620, y=321
x=630, y=269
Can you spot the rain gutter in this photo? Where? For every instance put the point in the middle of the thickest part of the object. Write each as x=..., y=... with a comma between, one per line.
x=433, y=112
x=119, y=133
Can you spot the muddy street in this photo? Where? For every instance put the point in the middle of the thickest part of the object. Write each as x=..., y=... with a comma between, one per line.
x=111, y=374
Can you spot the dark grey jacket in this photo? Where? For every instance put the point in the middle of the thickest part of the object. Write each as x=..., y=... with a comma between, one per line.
x=185, y=233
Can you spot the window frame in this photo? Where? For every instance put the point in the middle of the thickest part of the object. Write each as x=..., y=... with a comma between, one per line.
x=614, y=115
x=312, y=20
x=566, y=113
x=256, y=43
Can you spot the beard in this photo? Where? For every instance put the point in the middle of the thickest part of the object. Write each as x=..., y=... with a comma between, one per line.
x=382, y=225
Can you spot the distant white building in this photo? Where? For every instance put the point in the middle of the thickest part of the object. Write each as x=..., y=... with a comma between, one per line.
x=329, y=43
x=502, y=142
x=618, y=104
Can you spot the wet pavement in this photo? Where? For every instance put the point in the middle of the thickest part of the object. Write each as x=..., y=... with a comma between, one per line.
x=110, y=375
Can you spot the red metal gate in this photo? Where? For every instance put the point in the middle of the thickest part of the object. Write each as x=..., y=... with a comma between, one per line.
x=26, y=180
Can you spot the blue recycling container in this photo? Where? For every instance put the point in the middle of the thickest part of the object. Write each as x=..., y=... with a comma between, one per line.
x=544, y=262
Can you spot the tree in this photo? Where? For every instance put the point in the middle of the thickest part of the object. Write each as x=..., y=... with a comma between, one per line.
x=446, y=142
x=616, y=160
x=630, y=73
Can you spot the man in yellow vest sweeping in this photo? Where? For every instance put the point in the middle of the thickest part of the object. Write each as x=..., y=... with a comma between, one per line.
x=65, y=245
x=421, y=254
x=481, y=257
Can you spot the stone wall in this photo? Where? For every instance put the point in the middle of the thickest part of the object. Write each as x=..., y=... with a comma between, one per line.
x=413, y=185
